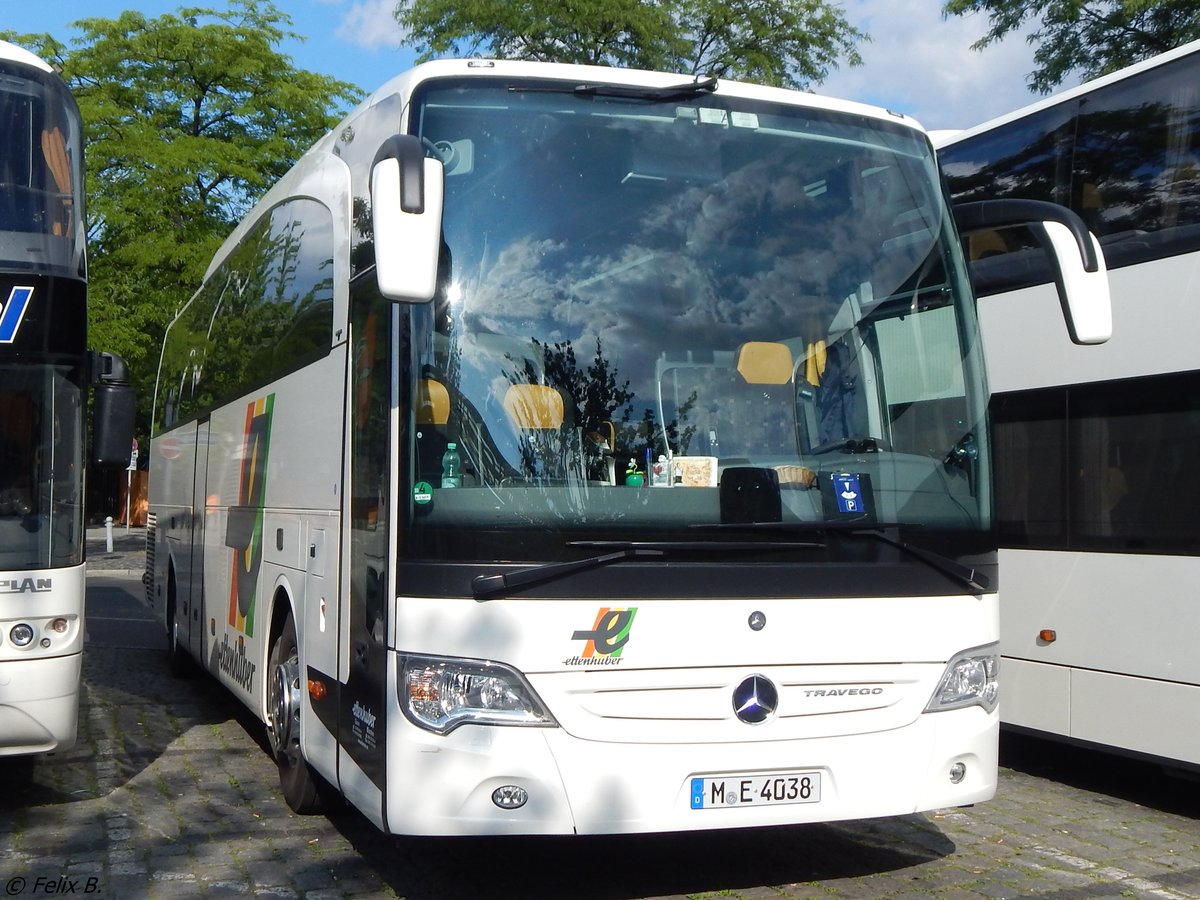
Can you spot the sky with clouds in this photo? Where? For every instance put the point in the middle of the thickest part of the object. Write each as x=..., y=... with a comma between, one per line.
x=917, y=62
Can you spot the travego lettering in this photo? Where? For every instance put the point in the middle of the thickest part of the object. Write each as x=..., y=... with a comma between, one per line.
x=842, y=692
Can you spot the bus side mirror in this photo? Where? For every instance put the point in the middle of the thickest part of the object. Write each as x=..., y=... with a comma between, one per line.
x=114, y=407
x=1075, y=256
x=406, y=219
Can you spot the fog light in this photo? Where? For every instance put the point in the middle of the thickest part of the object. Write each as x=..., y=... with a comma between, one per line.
x=510, y=796
x=958, y=772
x=21, y=635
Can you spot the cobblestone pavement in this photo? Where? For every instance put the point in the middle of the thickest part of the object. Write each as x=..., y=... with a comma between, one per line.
x=128, y=553
x=170, y=793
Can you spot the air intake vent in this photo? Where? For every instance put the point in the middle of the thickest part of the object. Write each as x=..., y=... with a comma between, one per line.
x=148, y=578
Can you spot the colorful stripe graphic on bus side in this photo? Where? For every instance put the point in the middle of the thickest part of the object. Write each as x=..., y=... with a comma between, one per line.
x=244, y=531
x=13, y=312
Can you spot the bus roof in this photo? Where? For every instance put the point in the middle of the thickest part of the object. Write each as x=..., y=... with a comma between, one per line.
x=443, y=68
x=949, y=136
x=19, y=54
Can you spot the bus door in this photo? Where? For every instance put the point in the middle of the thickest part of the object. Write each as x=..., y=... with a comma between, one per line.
x=191, y=633
x=320, y=630
x=365, y=615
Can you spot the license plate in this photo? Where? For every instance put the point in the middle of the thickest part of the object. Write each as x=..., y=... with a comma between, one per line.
x=756, y=790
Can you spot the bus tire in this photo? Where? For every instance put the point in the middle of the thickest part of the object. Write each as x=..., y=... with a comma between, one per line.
x=302, y=787
x=179, y=660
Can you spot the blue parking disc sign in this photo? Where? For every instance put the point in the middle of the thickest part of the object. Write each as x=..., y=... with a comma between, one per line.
x=848, y=492
x=847, y=496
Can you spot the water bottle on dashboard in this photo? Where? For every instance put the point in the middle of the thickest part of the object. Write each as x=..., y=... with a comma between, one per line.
x=451, y=467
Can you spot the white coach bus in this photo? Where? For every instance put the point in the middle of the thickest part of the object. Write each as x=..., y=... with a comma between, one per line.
x=576, y=450
x=1097, y=486
x=45, y=373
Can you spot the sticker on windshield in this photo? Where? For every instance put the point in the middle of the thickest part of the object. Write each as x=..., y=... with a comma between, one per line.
x=422, y=493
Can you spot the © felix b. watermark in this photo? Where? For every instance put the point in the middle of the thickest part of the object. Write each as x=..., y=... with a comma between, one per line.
x=46, y=886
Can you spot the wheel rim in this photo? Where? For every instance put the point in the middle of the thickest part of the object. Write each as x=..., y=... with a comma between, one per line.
x=285, y=707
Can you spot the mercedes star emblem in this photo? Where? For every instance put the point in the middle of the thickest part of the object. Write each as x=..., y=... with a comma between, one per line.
x=755, y=700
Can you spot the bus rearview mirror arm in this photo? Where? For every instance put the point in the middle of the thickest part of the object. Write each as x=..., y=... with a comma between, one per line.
x=1080, y=274
x=406, y=219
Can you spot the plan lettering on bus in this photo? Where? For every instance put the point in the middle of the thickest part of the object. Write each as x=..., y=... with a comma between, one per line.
x=1096, y=488
x=568, y=450
x=45, y=372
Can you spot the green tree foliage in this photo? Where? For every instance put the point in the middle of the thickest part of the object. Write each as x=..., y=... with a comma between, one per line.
x=1092, y=37
x=788, y=43
x=610, y=32
x=188, y=118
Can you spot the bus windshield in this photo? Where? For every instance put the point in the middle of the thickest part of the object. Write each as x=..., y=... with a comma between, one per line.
x=41, y=220
x=759, y=308
x=41, y=511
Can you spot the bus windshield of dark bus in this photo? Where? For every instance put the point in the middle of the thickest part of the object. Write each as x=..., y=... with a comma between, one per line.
x=41, y=166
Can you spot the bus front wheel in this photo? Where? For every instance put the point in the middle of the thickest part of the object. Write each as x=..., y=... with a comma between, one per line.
x=179, y=661
x=301, y=785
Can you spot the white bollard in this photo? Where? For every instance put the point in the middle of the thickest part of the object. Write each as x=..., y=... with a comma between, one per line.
x=108, y=544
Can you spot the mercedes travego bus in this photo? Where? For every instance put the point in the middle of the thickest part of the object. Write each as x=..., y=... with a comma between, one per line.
x=45, y=372
x=576, y=450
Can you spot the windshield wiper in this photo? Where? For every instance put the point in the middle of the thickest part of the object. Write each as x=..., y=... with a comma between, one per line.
x=667, y=546
x=486, y=587
x=972, y=578
x=629, y=91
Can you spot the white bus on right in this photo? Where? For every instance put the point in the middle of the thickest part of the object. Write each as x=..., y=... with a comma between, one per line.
x=1097, y=449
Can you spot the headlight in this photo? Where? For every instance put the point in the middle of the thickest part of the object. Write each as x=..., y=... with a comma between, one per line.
x=21, y=635
x=439, y=694
x=970, y=679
